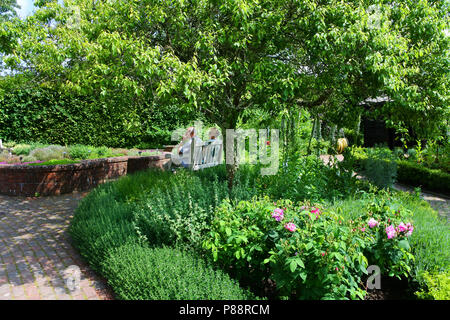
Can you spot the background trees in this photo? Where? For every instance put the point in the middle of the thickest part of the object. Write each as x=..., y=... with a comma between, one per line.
x=228, y=58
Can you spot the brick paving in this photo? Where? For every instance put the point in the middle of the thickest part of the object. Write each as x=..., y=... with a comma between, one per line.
x=37, y=260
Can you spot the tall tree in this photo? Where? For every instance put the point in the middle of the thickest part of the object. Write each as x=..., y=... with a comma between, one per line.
x=7, y=12
x=227, y=56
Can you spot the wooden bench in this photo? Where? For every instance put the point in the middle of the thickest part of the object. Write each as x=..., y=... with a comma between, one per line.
x=205, y=155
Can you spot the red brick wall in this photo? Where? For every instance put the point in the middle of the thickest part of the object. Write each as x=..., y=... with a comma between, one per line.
x=24, y=180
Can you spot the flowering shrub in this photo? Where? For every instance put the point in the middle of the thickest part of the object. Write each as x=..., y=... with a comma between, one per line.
x=309, y=252
x=387, y=237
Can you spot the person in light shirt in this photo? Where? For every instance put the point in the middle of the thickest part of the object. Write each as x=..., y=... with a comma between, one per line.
x=183, y=150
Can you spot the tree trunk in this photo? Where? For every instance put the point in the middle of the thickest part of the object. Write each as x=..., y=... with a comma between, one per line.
x=230, y=158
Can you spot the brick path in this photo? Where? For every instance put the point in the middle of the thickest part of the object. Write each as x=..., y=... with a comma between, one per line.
x=36, y=258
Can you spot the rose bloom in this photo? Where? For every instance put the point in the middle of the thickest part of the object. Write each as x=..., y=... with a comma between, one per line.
x=410, y=229
x=278, y=214
x=290, y=226
x=402, y=227
x=372, y=223
x=315, y=210
x=390, y=232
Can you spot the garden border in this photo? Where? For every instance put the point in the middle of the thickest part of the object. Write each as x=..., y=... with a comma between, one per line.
x=26, y=180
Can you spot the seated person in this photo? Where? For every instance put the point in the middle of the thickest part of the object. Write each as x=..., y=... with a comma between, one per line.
x=213, y=134
x=184, y=148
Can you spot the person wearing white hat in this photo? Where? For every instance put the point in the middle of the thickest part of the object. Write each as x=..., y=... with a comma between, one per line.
x=183, y=149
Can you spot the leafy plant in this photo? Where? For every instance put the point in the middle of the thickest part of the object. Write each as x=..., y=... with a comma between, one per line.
x=141, y=273
x=437, y=286
x=52, y=152
x=380, y=167
x=309, y=252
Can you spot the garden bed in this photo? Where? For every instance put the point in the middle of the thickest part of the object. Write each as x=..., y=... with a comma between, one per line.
x=27, y=180
x=301, y=250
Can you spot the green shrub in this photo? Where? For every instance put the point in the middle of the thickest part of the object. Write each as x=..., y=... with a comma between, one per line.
x=51, y=152
x=430, y=243
x=79, y=151
x=412, y=154
x=308, y=178
x=162, y=207
x=416, y=174
x=380, y=167
x=29, y=159
x=24, y=149
x=321, y=259
x=409, y=172
x=178, y=208
x=140, y=273
x=437, y=286
x=101, y=223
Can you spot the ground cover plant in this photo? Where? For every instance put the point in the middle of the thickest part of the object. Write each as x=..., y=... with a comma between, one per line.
x=42, y=154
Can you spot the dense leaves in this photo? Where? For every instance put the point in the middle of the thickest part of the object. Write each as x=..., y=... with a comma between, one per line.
x=225, y=57
x=49, y=116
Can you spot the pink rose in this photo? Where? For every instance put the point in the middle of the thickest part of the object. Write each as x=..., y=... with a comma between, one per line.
x=410, y=229
x=402, y=227
x=278, y=214
x=373, y=223
x=290, y=226
x=390, y=232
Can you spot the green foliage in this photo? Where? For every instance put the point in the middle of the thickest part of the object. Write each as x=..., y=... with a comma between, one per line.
x=25, y=148
x=53, y=162
x=393, y=256
x=307, y=177
x=222, y=59
x=178, y=209
x=49, y=116
x=162, y=207
x=155, y=208
x=437, y=286
x=100, y=224
x=79, y=152
x=380, y=167
x=418, y=175
x=52, y=152
x=119, y=213
x=140, y=273
x=429, y=242
x=321, y=259
x=408, y=172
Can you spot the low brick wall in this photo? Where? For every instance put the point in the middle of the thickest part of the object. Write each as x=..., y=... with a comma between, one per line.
x=25, y=180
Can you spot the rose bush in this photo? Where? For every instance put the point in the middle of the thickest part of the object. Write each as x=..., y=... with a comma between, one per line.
x=309, y=252
x=387, y=237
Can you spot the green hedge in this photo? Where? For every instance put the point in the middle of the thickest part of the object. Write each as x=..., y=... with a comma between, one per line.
x=417, y=175
x=47, y=116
